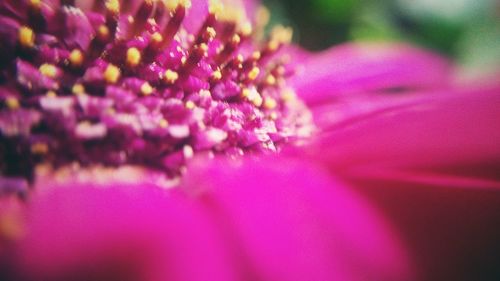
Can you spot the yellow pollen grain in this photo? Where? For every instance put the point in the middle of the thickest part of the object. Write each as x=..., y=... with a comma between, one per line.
x=51, y=94
x=211, y=32
x=170, y=76
x=252, y=75
x=112, y=74
x=156, y=38
x=76, y=57
x=103, y=32
x=113, y=6
x=240, y=58
x=236, y=39
x=26, y=37
x=288, y=95
x=216, y=75
x=270, y=103
x=273, y=115
x=270, y=79
x=204, y=48
x=232, y=14
x=163, y=123
x=257, y=100
x=39, y=148
x=246, y=29
x=12, y=103
x=256, y=55
x=78, y=89
x=183, y=60
x=48, y=70
x=273, y=45
x=35, y=3
x=133, y=56
x=246, y=93
x=262, y=16
x=215, y=7
x=190, y=105
x=146, y=89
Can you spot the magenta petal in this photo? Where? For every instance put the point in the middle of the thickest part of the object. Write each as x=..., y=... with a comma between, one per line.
x=118, y=233
x=355, y=68
x=287, y=221
x=449, y=139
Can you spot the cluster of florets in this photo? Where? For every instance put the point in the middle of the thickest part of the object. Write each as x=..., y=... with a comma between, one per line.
x=127, y=84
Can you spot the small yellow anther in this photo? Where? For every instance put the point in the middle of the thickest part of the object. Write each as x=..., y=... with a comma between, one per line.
x=163, y=123
x=113, y=6
x=172, y=5
x=211, y=32
x=170, y=76
x=190, y=104
x=12, y=103
x=156, y=38
x=288, y=95
x=253, y=96
x=26, y=37
x=48, y=70
x=76, y=57
x=103, y=32
x=35, y=3
x=133, y=57
x=217, y=75
x=112, y=74
x=256, y=55
x=246, y=29
x=146, y=89
x=270, y=80
x=215, y=7
x=257, y=100
x=51, y=94
x=39, y=148
x=270, y=103
x=236, y=39
x=252, y=75
x=203, y=47
x=78, y=89
x=183, y=59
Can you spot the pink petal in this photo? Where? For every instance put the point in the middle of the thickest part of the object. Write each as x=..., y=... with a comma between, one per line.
x=287, y=221
x=362, y=67
x=455, y=135
x=431, y=164
x=118, y=233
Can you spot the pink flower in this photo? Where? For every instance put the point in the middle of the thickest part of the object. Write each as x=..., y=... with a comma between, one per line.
x=399, y=180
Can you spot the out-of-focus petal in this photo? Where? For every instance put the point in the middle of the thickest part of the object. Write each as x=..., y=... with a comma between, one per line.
x=372, y=67
x=118, y=233
x=454, y=134
x=431, y=164
x=287, y=221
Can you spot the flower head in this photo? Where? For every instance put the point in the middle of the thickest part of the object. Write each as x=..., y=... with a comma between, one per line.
x=133, y=83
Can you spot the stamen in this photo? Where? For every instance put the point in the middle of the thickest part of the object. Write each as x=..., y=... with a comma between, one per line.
x=40, y=148
x=78, y=89
x=103, y=33
x=133, y=57
x=113, y=6
x=146, y=89
x=48, y=70
x=12, y=103
x=170, y=76
x=76, y=58
x=112, y=74
x=26, y=37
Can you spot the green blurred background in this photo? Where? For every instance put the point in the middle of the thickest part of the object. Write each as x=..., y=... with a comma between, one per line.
x=465, y=30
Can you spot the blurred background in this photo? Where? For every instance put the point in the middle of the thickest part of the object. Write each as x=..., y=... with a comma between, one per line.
x=465, y=30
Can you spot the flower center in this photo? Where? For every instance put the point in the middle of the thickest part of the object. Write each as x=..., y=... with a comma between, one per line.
x=113, y=85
